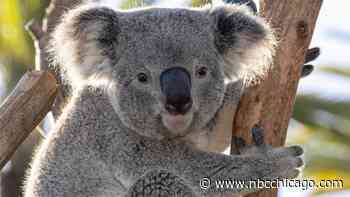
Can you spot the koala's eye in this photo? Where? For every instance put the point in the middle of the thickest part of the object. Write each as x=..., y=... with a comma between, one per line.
x=142, y=77
x=202, y=72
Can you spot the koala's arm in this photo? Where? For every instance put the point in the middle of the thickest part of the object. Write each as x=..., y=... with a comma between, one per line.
x=220, y=127
x=258, y=162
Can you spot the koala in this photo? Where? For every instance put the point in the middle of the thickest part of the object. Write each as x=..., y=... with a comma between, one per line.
x=150, y=86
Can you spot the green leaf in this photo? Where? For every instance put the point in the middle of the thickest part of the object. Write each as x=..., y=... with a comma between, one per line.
x=199, y=3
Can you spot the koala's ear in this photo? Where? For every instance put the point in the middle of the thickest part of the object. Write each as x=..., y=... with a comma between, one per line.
x=245, y=41
x=84, y=41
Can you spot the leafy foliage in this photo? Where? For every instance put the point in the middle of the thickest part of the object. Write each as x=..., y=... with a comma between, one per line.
x=16, y=47
x=326, y=137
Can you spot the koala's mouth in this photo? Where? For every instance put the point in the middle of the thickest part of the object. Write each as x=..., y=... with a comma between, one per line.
x=177, y=124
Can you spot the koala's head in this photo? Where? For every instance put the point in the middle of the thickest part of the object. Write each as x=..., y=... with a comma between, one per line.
x=166, y=69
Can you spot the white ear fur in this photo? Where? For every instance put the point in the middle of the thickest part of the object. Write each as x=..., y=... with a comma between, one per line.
x=251, y=52
x=75, y=43
x=253, y=61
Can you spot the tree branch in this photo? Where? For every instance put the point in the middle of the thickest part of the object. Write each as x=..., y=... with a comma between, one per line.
x=23, y=110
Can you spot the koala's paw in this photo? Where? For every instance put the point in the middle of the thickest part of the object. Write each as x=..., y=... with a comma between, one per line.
x=269, y=162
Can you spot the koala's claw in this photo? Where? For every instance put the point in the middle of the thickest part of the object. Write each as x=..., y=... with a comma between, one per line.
x=311, y=55
x=307, y=70
x=293, y=151
x=239, y=142
x=241, y=147
x=258, y=135
x=297, y=150
x=300, y=162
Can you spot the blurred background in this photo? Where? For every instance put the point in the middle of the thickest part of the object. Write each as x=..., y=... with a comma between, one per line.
x=321, y=120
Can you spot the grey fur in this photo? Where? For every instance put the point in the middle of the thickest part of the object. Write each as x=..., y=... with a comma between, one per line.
x=115, y=135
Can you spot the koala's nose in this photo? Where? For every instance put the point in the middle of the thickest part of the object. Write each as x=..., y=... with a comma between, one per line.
x=176, y=87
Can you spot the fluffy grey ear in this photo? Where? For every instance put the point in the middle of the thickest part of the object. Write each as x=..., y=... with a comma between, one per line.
x=83, y=43
x=245, y=41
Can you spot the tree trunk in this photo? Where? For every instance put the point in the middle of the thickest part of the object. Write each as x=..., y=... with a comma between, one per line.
x=270, y=103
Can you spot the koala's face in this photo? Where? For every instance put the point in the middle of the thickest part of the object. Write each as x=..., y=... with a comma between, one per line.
x=169, y=76
x=166, y=67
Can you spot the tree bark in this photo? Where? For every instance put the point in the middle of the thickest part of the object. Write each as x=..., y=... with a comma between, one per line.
x=23, y=110
x=270, y=103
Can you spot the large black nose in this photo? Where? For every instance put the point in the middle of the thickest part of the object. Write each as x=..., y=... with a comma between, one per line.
x=176, y=87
